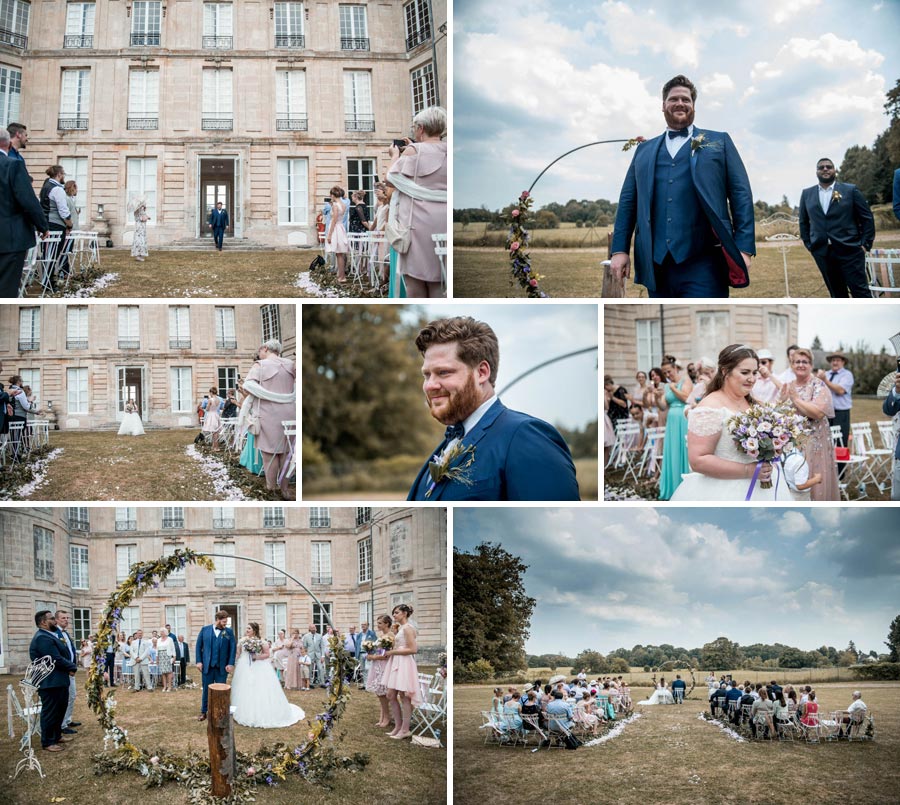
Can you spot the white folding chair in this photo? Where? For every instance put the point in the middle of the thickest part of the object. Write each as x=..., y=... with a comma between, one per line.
x=883, y=272
x=290, y=433
x=16, y=446
x=653, y=451
x=886, y=431
x=491, y=727
x=440, y=249
x=429, y=716
x=358, y=256
x=38, y=433
x=852, y=464
x=48, y=254
x=227, y=432
x=31, y=268
x=379, y=257
x=878, y=469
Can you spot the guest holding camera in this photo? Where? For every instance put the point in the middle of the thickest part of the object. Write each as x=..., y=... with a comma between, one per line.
x=891, y=408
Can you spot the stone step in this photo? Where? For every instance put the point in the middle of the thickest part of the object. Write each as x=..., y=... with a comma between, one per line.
x=207, y=245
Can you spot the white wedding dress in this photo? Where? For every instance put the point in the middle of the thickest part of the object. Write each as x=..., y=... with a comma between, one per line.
x=660, y=696
x=257, y=697
x=708, y=421
x=131, y=424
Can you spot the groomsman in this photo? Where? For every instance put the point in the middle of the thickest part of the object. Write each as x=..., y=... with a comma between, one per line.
x=54, y=689
x=218, y=223
x=315, y=648
x=62, y=623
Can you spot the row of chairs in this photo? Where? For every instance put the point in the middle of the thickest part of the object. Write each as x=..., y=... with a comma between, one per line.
x=858, y=725
x=22, y=439
x=868, y=463
x=58, y=259
x=883, y=272
x=636, y=460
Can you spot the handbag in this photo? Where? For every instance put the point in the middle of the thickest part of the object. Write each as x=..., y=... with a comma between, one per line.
x=396, y=233
x=571, y=741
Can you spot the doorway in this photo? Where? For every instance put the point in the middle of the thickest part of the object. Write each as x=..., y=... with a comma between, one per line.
x=233, y=620
x=131, y=387
x=216, y=184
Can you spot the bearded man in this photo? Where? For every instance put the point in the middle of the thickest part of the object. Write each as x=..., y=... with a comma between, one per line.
x=489, y=452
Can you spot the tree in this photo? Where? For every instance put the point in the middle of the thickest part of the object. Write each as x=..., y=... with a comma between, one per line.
x=491, y=610
x=817, y=343
x=617, y=665
x=594, y=661
x=720, y=654
x=545, y=219
x=793, y=658
x=893, y=641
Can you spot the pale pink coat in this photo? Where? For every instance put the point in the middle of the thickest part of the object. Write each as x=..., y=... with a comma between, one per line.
x=273, y=374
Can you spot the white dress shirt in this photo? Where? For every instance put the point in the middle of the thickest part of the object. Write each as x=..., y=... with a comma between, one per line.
x=675, y=144
x=825, y=194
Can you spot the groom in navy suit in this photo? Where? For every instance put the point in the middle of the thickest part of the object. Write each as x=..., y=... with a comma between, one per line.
x=510, y=455
x=218, y=223
x=687, y=201
x=214, y=653
x=837, y=227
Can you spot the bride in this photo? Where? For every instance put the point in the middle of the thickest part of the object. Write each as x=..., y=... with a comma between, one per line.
x=131, y=421
x=720, y=470
x=662, y=695
x=256, y=694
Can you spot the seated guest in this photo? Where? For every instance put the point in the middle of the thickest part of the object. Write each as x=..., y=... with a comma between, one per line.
x=585, y=715
x=678, y=688
x=793, y=705
x=747, y=698
x=512, y=712
x=856, y=713
x=734, y=694
x=810, y=715
x=635, y=441
x=762, y=713
x=531, y=708
x=717, y=699
x=774, y=690
x=782, y=714
x=559, y=711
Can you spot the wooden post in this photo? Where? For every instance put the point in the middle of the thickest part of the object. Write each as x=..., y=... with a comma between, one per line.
x=220, y=733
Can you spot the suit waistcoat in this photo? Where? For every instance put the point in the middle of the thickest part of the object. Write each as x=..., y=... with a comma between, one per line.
x=679, y=225
x=218, y=651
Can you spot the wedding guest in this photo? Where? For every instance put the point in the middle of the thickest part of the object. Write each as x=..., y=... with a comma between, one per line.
x=418, y=173
x=62, y=624
x=375, y=674
x=85, y=653
x=497, y=702
x=280, y=655
x=891, y=408
x=839, y=382
x=304, y=662
x=812, y=399
x=856, y=713
x=584, y=713
x=140, y=661
x=639, y=388
x=54, y=688
x=512, y=712
x=559, y=712
x=618, y=400
x=138, y=207
x=336, y=237
x=292, y=648
x=767, y=386
x=651, y=398
x=165, y=654
x=365, y=634
x=531, y=707
x=762, y=712
x=675, y=455
x=18, y=140
x=782, y=714
x=401, y=674
x=788, y=374
x=74, y=211
x=315, y=648
x=212, y=421
x=635, y=443
x=705, y=371
x=810, y=715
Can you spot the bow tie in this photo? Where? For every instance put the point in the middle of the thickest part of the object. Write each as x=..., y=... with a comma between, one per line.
x=456, y=431
x=677, y=133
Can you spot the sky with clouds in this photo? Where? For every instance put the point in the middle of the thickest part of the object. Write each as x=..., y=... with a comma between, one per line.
x=608, y=578
x=790, y=80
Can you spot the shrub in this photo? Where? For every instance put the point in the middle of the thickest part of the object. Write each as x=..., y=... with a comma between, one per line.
x=877, y=670
x=477, y=671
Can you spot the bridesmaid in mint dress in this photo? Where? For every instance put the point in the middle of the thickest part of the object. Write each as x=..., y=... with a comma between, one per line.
x=675, y=454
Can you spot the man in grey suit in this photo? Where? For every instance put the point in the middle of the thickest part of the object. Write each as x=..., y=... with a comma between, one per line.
x=315, y=647
x=20, y=216
x=837, y=227
x=140, y=660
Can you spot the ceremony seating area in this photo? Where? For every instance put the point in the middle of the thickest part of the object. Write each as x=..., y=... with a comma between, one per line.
x=23, y=438
x=883, y=272
x=51, y=264
x=870, y=462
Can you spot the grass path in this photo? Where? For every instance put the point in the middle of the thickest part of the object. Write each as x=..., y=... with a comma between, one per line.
x=100, y=465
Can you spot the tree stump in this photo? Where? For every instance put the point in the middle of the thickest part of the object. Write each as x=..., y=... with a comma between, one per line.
x=220, y=733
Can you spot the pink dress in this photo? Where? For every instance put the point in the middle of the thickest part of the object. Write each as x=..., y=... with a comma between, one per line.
x=212, y=422
x=819, y=449
x=375, y=677
x=292, y=665
x=338, y=242
x=401, y=672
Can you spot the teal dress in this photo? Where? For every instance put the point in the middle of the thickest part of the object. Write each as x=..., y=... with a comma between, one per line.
x=675, y=454
x=250, y=456
x=396, y=287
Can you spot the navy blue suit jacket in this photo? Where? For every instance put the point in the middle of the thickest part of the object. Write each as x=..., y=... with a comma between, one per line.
x=43, y=644
x=218, y=219
x=720, y=181
x=20, y=210
x=891, y=407
x=849, y=221
x=204, y=650
x=517, y=457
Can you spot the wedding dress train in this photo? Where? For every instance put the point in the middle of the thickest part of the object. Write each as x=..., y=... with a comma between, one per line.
x=257, y=697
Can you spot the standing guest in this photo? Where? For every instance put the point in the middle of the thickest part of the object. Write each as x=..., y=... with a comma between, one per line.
x=656, y=414
x=401, y=674
x=293, y=646
x=639, y=388
x=55, y=205
x=673, y=398
x=304, y=662
x=891, y=408
x=375, y=675
x=18, y=140
x=840, y=383
x=788, y=374
x=165, y=651
x=54, y=689
x=230, y=409
x=767, y=386
x=185, y=658
x=138, y=207
x=218, y=223
x=618, y=400
x=85, y=653
x=837, y=228
x=177, y=656
x=281, y=654
x=323, y=238
x=212, y=422
x=74, y=211
x=62, y=623
x=140, y=661
x=250, y=459
x=812, y=399
x=384, y=256
x=359, y=213
x=336, y=237
x=896, y=194
x=418, y=173
x=315, y=649
x=365, y=634
x=110, y=659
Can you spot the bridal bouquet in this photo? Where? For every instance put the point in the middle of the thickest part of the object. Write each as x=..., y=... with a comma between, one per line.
x=252, y=645
x=385, y=641
x=369, y=646
x=766, y=432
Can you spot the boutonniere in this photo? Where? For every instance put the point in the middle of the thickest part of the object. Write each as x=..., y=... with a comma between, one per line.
x=835, y=196
x=698, y=142
x=439, y=467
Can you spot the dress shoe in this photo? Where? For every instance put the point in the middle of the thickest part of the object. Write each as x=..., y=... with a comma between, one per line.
x=69, y=731
x=66, y=740
x=201, y=717
x=54, y=748
x=74, y=723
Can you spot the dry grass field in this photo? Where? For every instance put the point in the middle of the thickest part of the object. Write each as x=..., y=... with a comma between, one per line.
x=669, y=756
x=398, y=772
x=793, y=676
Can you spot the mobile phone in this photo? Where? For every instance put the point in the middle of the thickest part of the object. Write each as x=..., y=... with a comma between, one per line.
x=401, y=144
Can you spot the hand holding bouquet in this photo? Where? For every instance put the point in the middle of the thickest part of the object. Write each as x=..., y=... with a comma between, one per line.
x=765, y=432
x=252, y=645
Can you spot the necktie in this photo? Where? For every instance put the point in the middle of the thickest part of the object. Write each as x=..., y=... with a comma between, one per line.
x=677, y=133
x=831, y=375
x=456, y=431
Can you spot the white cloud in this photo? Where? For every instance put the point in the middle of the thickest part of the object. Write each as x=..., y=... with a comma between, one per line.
x=794, y=524
x=827, y=518
x=781, y=11
x=630, y=32
x=716, y=84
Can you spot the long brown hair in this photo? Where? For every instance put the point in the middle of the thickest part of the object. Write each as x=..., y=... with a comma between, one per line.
x=729, y=358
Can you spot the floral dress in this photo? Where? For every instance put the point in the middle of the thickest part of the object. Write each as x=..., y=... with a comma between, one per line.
x=819, y=449
x=139, y=244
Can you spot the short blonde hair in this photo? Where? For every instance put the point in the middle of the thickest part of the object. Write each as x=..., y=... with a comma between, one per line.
x=802, y=351
x=433, y=119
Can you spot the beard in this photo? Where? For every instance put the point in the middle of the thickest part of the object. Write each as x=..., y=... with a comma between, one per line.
x=460, y=404
x=674, y=123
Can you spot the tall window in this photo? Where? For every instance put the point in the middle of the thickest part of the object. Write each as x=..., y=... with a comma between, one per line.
x=143, y=99
x=14, y=23
x=43, y=553
x=275, y=556
x=141, y=183
x=176, y=578
x=321, y=562
x=76, y=327
x=290, y=100
x=364, y=559
x=79, y=25
x=217, y=25
x=225, y=575
x=179, y=327
x=146, y=23
x=778, y=329
x=78, y=567
x=418, y=23
x=32, y=377
x=276, y=620
x=130, y=620
x=227, y=379
x=225, y=336
x=218, y=114
x=126, y=556
x=713, y=328
x=173, y=517
x=129, y=327
x=77, y=390
x=289, y=25
x=361, y=176
x=10, y=94
x=318, y=616
x=77, y=168
x=75, y=99
x=81, y=624
x=79, y=519
x=223, y=517
x=319, y=517
x=273, y=516
x=29, y=328
x=271, y=322
x=293, y=185
x=363, y=515
x=400, y=548
x=358, y=114
x=424, y=93
x=649, y=344
x=176, y=617
x=403, y=598
x=354, y=31
x=182, y=389
x=126, y=518
x=365, y=612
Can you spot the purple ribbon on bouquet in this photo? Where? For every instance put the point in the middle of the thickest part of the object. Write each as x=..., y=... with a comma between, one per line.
x=777, y=462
